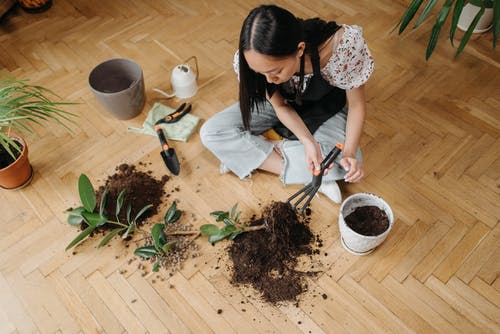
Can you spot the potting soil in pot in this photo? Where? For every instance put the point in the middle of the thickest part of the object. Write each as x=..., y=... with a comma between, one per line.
x=266, y=259
x=140, y=188
x=368, y=220
x=5, y=158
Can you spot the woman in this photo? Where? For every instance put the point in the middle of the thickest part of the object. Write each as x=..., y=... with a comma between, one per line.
x=305, y=80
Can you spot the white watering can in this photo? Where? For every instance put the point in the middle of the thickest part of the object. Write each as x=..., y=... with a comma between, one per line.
x=183, y=80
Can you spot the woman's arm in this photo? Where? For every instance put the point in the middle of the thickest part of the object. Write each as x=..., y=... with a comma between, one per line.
x=289, y=117
x=354, y=129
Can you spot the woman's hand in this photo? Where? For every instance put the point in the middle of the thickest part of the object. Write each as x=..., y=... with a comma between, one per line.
x=313, y=154
x=354, y=169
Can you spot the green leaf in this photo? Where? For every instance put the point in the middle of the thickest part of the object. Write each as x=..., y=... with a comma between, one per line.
x=129, y=210
x=228, y=229
x=109, y=236
x=459, y=6
x=237, y=218
x=94, y=219
x=102, y=206
x=159, y=236
x=469, y=31
x=209, y=229
x=156, y=266
x=427, y=9
x=235, y=234
x=146, y=252
x=436, y=29
x=496, y=22
x=409, y=14
x=75, y=220
x=172, y=215
x=86, y=191
x=81, y=236
x=217, y=237
x=75, y=212
x=233, y=210
x=119, y=202
x=228, y=222
x=130, y=230
x=220, y=215
x=140, y=213
x=168, y=246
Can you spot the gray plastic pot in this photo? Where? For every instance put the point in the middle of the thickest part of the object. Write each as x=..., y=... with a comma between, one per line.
x=118, y=84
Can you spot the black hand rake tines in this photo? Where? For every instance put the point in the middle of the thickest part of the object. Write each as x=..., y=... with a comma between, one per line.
x=312, y=187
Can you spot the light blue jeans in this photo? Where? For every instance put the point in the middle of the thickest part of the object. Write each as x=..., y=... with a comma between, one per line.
x=243, y=151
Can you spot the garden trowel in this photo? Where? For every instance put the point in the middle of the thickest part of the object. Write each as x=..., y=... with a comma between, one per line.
x=168, y=153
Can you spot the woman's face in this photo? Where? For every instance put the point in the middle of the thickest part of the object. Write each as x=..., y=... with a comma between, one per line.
x=276, y=69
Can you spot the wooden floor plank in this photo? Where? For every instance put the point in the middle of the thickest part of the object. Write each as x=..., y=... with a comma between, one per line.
x=430, y=148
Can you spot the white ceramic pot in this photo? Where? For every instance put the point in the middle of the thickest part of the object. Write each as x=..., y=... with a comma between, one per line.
x=469, y=12
x=352, y=241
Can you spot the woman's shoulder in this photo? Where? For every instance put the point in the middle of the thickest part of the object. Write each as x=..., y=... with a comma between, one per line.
x=351, y=63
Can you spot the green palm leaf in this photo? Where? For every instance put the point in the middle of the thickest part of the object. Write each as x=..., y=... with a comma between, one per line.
x=443, y=14
x=469, y=31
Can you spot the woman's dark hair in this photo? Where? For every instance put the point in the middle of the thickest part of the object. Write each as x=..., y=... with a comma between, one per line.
x=273, y=31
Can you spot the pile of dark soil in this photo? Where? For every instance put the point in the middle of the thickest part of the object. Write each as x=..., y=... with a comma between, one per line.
x=266, y=259
x=140, y=188
x=368, y=220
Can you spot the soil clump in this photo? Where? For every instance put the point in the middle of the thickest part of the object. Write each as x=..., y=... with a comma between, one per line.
x=266, y=259
x=368, y=220
x=140, y=188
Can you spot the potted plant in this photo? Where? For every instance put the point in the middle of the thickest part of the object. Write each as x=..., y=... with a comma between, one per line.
x=21, y=105
x=365, y=220
x=471, y=16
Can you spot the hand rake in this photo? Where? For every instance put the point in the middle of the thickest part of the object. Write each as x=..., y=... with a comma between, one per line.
x=312, y=187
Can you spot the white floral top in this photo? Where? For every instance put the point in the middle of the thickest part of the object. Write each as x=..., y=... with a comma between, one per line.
x=350, y=65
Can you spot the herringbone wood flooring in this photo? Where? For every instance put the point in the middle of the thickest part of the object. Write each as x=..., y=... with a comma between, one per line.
x=431, y=148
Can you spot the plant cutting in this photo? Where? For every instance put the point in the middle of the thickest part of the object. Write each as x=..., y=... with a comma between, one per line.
x=232, y=226
x=460, y=9
x=165, y=243
x=88, y=215
x=23, y=105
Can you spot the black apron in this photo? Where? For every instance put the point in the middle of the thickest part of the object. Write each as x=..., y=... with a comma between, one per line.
x=319, y=102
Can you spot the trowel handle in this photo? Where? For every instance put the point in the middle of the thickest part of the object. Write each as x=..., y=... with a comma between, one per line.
x=330, y=157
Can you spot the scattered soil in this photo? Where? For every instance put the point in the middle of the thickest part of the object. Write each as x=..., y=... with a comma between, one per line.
x=266, y=259
x=140, y=188
x=5, y=158
x=368, y=220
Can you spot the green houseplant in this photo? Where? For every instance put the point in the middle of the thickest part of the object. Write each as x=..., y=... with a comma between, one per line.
x=23, y=105
x=459, y=6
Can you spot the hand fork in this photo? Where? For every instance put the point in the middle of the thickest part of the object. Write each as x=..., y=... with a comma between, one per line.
x=312, y=187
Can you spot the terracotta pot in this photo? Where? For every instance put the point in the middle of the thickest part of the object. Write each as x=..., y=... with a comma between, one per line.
x=35, y=6
x=18, y=174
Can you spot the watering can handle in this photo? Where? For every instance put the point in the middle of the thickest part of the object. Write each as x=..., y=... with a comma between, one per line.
x=196, y=65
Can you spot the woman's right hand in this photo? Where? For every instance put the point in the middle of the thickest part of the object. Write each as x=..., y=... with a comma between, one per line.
x=312, y=151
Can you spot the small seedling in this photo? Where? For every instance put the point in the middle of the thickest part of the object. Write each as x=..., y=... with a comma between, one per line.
x=233, y=227
x=86, y=214
x=161, y=246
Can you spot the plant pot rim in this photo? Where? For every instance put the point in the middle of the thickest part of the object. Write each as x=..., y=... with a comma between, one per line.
x=390, y=214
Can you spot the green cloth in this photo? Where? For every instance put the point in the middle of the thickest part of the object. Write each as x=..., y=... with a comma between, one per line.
x=180, y=130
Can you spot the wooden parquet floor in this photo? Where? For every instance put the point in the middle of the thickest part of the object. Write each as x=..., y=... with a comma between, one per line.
x=431, y=148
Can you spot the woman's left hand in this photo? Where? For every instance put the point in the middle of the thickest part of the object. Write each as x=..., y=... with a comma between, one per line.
x=354, y=169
